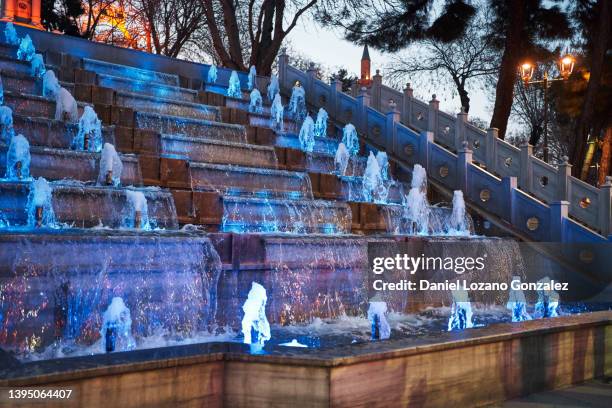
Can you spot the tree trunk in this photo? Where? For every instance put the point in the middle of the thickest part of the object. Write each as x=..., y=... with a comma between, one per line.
x=598, y=51
x=504, y=93
x=605, y=161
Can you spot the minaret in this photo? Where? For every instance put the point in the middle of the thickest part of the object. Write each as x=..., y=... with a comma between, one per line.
x=23, y=12
x=366, y=78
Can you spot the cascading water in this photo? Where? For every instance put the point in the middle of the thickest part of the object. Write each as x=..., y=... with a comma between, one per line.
x=341, y=159
x=377, y=317
x=7, y=132
x=252, y=77
x=383, y=163
x=40, y=204
x=374, y=189
x=457, y=224
x=51, y=86
x=461, y=311
x=89, y=136
x=297, y=103
x=111, y=167
x=350, y=139
x=255, y=326
x=277, y=112
x=66, y=108
x=517, y=303
x=233, y=90
x=307, y=136
x=26, y=49
x=320, y=129
x=137, y=211
x=255, y=101
x=18, y=159
x=548, y=301
x=10, y=34
x=211, y=76
x=1, y=92
x=415, y=204
x=273, y=88
x=116, y=329
x=38, y=66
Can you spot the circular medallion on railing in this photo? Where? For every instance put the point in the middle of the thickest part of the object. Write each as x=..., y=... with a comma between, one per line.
x=446, y=130
x=508, y=161
x=376, y=130
x=585, y=202
x=543, y=181
x=348, y=115
x=485, y=195
x=443, y=171
x=420, y=116
x=586, y=256
x=533, y=223
x=322, y=100
x=409, y=149
x=476, y=144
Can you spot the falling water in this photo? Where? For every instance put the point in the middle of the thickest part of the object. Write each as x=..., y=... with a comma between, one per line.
x=461, y=311
x=66, y=108
x=233, y=90
x=40, y=204
x=252, y=77
x=18, y=159
x=7, y=132
x=255, y=326
x=548, y=301
x=26, y=49
x=350, y=139
x=111, y=166
x=137, y=211
x=51, y=86
x=256, y=102
x=277, y=113
x=383, y=163
x=374, y=189
x=377, y=317
x=211, y=77
x=297, y=103
x=89, y=136
x=273, y=88
x=10, y=34
x=116, y=329
x=1, y=92
x=416, y=206
x=306, y=136
x=320, y=129
x=38, y=66
x=342, y=159
x=457, y=224
x=517, y=303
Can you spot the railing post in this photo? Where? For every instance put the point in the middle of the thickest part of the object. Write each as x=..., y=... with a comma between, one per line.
x=605, y=207
x=376, y=91
x=464, y=159
x=432, y=115
x=283, y=63
x=525, y=167
x=393, y=118
x=509, y=185
x=336, y=88
x=363, y=102
x=564, y=171
x=311, y=74
x=491, y=149
x=460, y=130
x=406, y=116
x=558, y=213
x=425, y=138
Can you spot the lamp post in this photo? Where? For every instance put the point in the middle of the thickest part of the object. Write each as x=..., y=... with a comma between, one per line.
x=526, y=70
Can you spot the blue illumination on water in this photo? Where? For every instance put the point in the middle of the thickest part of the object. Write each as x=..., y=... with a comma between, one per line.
x=233, y=90
x=255, y=326
x=26, y=49
x=18, y=159
x=461, y=311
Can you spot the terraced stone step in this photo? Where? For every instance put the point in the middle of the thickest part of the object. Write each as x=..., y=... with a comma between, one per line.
x=103, y=67
x=10, y=63
x=24, y=83
x=33, y=105
x=147, y=88
x=164, y=106
x=58, y=164
x=83, y=206
x=324, y=145
x=196, y=128
x=348, y=188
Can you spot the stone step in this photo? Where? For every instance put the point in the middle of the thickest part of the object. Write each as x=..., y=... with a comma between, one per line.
x=124, y=71
x=58, y=164
x=10, y=63
x=196, y=128
x=82, y=206
x=349, y=188
x=244, y=104
x=295, y=216
x=163, y=106
x=217, y=151
x=147, y=88
x=262, y=120
x=33, y=105
x=24, y=83
x=241, y=181
x=323, y=145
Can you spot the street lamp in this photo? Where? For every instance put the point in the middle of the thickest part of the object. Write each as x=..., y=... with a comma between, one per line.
x=526, y=70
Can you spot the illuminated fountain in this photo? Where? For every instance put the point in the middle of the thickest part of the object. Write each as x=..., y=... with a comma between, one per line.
x=377, y=317
x=548, y=301
x=458, y=223
x=320, y=129
x=51, y=86
x=116, y=329
x=1, y=92
x=111, y=167
x=255, y=326
x=18, y=159
x=383, y=163
x=89, y=135
x=66, y=108
x=26, y=49
x=137, y=211
x=273, y=88
x=307, y=136
x=40, y=204
x=517, y=303
x=38, y=66
x=277, y=112
x=6, y=124
x=233, y=89
x=415, y=204
x=252, y=77
x=211, y=77
x=374, y=189
x=350, y=139
x=341, y=159
x=297, y=103
x=255, y=101
x=10, y=34
x=461, y=311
